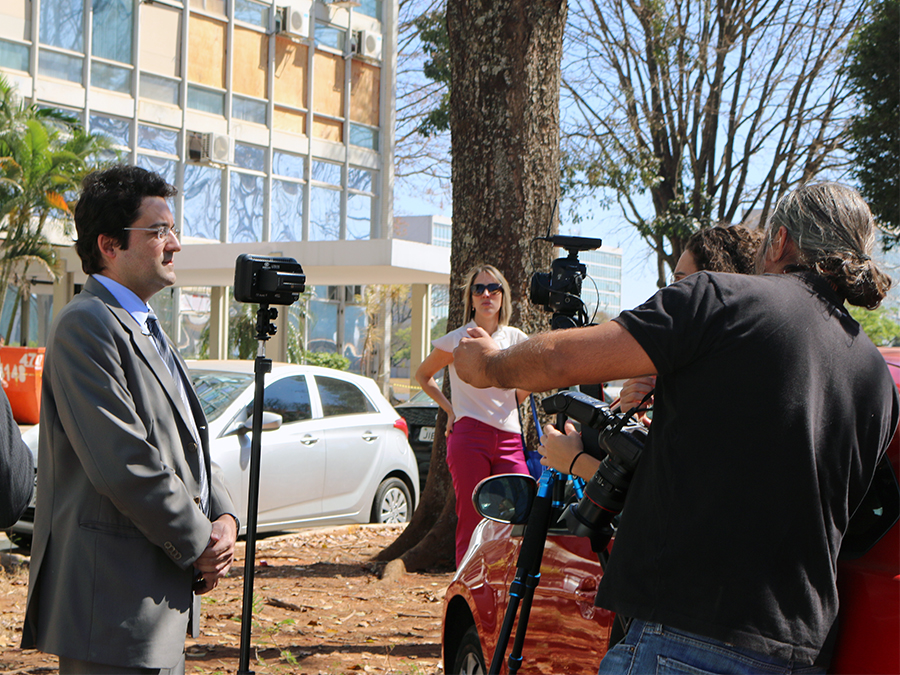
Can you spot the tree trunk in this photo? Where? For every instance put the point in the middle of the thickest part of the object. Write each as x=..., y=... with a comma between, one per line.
x=424, y=544
x=504, y=124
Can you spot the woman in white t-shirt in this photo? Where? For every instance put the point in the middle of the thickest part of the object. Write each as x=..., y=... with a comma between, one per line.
x=483, y=432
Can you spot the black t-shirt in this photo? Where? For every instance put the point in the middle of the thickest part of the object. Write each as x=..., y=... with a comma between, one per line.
x=771, y=410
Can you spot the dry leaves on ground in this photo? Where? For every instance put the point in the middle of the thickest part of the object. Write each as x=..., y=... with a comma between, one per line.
x=319, y=606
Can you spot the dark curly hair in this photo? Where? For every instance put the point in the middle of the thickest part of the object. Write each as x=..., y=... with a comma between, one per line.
x=725, y=249
x=111, y=201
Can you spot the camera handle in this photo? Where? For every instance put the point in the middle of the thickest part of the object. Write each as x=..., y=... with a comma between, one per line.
x=264, y=329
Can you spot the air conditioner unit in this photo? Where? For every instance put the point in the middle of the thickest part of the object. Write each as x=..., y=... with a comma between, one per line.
x=292, y=21
x=370, y=44
x=210, y=148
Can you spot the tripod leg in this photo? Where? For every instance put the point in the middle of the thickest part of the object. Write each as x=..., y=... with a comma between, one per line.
x=528, y=572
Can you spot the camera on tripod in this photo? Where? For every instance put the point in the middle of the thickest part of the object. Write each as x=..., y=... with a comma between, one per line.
x=622, y=441
x=267, y=280
x=559, y=291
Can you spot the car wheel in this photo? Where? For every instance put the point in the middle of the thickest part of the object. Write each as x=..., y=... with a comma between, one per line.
x=392, y=502
x=469, y=659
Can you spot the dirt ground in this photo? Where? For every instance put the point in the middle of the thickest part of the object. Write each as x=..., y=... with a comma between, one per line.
x=320, y=607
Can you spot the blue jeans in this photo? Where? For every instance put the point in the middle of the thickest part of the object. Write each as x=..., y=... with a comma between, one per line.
x=653, y=648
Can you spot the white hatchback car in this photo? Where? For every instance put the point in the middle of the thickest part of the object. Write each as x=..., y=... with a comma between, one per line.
x=334, y=451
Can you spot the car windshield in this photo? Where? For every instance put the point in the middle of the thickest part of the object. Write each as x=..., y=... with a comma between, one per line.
x=217, y=389
x=421, y=397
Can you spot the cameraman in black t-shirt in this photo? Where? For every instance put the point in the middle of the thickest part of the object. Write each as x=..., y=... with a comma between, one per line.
x=771, y=411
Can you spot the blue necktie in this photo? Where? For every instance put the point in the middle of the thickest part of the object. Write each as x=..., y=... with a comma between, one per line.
x=162, y=346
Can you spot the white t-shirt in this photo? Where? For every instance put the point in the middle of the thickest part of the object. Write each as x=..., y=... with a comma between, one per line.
x=497, y=407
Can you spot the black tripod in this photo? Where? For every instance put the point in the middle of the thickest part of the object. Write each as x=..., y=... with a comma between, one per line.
x=550, y=495
x=264, y=329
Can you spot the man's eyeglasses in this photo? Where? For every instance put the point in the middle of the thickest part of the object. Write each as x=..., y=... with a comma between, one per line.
x=493, y=289
x=162, y=231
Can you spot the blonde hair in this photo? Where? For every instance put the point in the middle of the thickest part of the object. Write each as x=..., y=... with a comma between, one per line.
x=505, y=303
x=834, y=231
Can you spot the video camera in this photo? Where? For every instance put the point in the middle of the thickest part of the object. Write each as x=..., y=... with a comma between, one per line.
x=268, y=280
x=559, y=291
x=620, y=443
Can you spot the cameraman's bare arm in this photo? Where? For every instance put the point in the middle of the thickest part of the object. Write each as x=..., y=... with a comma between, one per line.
x=553, y=360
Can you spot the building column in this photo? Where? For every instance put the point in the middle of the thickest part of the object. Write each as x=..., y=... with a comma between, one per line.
x=218, y=322
x=387, y=311
x=63, y=288
x=419, y=343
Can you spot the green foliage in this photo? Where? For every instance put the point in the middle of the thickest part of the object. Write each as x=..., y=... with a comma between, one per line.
x=44, y=154
x=432, y=30
x=400, y=345
x=439, y=328
x=874, y=73
x=881, y=329
x=326, y=360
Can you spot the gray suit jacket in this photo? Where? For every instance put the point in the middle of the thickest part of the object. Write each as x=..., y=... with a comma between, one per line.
x=16, y=467
x=117, y=522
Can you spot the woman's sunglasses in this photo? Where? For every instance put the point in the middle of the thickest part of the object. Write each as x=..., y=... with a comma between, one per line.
x=479, y=289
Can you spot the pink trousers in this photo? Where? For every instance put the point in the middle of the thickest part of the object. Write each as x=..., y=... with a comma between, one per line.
x=476, y=450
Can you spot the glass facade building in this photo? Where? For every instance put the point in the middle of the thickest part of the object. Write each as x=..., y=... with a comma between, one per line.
x=271, y=118
x=601, y=291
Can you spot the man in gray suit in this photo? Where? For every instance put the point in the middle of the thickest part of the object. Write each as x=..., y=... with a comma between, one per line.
x=130, y=517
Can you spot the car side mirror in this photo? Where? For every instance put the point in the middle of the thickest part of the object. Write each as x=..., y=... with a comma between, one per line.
x=270, y=422
x=505, y=498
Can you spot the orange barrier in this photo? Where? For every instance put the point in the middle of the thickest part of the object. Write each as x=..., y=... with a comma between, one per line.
x=21, y=369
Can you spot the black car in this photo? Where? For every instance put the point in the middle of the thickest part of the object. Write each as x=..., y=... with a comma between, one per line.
x=420, y=413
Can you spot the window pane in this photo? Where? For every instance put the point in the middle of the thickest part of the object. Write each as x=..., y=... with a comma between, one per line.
x=287, y=211
x=370, y=8
x=212, y=6
x=112, y=28
x=164, y=167
x=364, y=137
x=14, y=56
x=159, y=89
x=60, y=66
x=216, y=389
x=161, y=140
x=110, y=77
x=326, y=172
x=324, y=214
x=245, y=215
x=323, y=323
x=250, y=156
x=329, y=36
x=202, y=201
x=285, y=164
x=62, y=24
x=248, y=109
x=118, y=130
x=289, y=398
x=359, y=216
x=360, y=179
x=161, y=39
x=206, y=100
x=251, y=12
x=342, y=398
x=355, y=323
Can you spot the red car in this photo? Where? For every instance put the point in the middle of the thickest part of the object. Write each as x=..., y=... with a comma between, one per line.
x=567, y=634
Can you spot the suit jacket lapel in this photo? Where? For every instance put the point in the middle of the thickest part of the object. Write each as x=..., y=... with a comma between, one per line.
x=144, y=346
